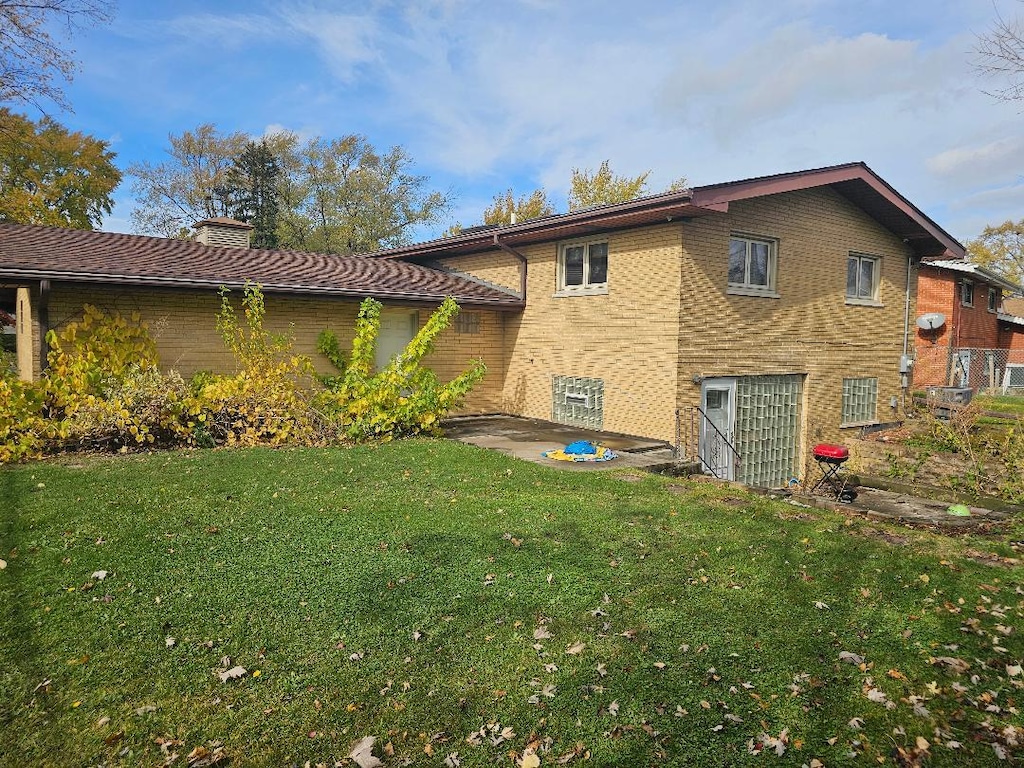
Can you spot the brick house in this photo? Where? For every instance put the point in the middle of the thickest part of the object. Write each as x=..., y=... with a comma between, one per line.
x=743, y=322
x=971, y=347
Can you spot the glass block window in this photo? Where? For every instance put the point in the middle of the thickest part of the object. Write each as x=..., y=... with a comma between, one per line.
x=467, y=322
x=860, y=398
x=577, y=401
x=767, y=429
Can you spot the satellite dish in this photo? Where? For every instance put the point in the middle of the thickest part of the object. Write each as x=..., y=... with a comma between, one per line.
x=931, y=321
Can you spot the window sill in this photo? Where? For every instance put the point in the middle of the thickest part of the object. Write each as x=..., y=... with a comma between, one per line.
x=863, y=302
x=740, y=290
x=859, y=424
x=565, y=293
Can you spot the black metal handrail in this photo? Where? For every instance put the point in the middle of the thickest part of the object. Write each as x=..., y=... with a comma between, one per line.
x=736, y=454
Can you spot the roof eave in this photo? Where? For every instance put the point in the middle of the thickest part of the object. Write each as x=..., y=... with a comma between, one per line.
x=512, y=303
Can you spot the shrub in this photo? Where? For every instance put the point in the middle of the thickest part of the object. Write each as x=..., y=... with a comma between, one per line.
x=138, y=409
x=268, y=400
x=405, y=397
x=22, y=427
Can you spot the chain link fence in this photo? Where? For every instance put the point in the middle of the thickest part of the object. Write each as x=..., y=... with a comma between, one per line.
x=983, y=370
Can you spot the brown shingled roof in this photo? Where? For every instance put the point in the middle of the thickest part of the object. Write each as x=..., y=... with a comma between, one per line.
x=30, y=252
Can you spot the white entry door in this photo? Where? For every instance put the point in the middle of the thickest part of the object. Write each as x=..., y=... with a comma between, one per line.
x=717, y=427
x=397, y=327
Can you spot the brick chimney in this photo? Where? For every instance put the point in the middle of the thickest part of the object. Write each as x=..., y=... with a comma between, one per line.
x=223, y=231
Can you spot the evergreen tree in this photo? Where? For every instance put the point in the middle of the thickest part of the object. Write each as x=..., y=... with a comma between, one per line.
x=252, y=192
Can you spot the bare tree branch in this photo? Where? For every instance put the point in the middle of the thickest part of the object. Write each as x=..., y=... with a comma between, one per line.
x=32, y=62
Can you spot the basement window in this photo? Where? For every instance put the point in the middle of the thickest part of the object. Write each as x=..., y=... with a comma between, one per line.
x=860, y=401
x=467, y=323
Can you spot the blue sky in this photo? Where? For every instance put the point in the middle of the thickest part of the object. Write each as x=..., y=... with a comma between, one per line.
x=515, y=93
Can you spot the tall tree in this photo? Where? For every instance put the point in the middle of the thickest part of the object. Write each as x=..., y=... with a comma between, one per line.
x=32, y=62
x=188, y=187
x=602, y=187
x=342, y=196
x=1000, y=53
x=252, y=192
x=525, y=207
x=49, y=175
x=1001, y=248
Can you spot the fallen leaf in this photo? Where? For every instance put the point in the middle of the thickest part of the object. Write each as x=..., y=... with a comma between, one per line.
x=362, y=753
x=232, y=674
x=170, y=642
x=922, y=743
x=850, y=658
x=958, y=666
x=613, y=708
x=575, y=649
x=541, y=633
x=530, y=760
x=99, y=575
x=3, y=564
x=820, y=605
x=602, y=669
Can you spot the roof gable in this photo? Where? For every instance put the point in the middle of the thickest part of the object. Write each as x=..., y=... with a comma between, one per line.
x=856, y=182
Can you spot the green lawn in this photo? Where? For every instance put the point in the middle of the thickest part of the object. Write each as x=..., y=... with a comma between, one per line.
x=426, y=591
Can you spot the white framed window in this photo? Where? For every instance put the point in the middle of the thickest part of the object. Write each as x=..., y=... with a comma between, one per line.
x=752, y=265
x=993, y=299
x=860, y=401
x=862, y=277
x=583, y=267
x=967, y=293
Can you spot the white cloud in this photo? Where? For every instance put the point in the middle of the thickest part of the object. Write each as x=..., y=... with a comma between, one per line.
x=345, y=41
x=995, y=158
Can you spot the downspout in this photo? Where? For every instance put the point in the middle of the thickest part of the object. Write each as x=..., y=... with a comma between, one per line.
x=904, y=377
x=44, y=322
x=520, y=258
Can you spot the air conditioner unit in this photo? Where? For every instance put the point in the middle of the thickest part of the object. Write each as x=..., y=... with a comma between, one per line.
x=957, y=395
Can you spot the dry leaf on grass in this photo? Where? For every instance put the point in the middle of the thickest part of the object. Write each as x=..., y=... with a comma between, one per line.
x=232, y=674
x=362, y=753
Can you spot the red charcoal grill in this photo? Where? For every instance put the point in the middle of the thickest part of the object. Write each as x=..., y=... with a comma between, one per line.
x=830, y=460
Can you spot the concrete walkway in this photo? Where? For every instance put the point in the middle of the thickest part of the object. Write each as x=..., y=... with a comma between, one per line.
x=529, y=438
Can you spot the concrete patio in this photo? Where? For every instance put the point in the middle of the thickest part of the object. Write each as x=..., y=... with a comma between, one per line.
x=529, y=438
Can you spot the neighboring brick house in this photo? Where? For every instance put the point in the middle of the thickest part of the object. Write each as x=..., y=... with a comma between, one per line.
x=970, y=348
x=778, y=306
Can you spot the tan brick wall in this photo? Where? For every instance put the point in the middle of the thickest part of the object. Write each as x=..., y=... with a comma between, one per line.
x=627, y=338
x=184, y=326
x=495, y=267
x=28, y=337
x=809, y=329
